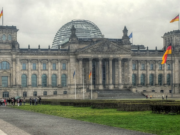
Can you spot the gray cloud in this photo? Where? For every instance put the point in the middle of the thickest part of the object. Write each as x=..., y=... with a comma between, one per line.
x=38, y=21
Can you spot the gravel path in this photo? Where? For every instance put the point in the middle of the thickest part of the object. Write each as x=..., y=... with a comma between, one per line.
x=19, y=122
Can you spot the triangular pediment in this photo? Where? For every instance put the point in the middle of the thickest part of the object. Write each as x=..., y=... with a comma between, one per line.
x=104, y=46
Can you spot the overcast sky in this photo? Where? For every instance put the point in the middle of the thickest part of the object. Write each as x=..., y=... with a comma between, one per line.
x=39, y=20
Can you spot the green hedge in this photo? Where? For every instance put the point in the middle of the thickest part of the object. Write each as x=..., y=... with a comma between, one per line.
x=157, y=106
x=165, y=108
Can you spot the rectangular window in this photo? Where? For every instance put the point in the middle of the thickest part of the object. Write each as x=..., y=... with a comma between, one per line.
x=64, y=66
x=24, y=66
x=151, y=66
x=54, y=66
x=134, y=67
x=34, y=66
x=168, y=67
x=44, y=66
x=160, y=66
x=143, y=66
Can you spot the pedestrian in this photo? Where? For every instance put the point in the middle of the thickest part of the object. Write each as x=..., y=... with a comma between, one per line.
x=24, y=101
x=30, y=100
x=39, y=100
x=14, y=100
x=18, y=102
x=35, y=101
x=166, y=97
x=162, y=97
x=5, y=103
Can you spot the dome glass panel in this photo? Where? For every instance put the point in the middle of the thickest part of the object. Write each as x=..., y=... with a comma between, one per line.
x=84, y=29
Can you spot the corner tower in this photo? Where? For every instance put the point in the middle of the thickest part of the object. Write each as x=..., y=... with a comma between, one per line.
x=8, y=37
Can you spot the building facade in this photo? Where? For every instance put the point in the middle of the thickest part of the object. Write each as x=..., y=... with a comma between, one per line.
x=65, y=71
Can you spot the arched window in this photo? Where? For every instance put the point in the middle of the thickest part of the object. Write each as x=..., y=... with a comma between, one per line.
x=134, y=79
x=168, y=79
x=24, y=94
x=45, y=93
x=143, y=79
x=24, y=80
x=54, y=80
x=44, y=80
x=4, y=65
x=35, y=93
x=5, y=94
x=151, y=79
x=63, y=80
x=160, y=79
x=34, y=80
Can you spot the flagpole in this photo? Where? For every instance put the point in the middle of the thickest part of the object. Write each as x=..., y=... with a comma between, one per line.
x=171, y=73
x=2, y=16
x=132, y=38
x=91, y=85
x=83, y=83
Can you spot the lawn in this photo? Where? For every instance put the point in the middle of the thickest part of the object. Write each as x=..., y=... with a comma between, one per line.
x=159, y=124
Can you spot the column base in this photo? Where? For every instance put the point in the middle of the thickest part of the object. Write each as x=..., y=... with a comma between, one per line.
x=100, y=86
x=120, y=86
x=111, y=86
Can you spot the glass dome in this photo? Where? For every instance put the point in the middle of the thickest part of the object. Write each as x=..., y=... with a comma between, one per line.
x=84, y=29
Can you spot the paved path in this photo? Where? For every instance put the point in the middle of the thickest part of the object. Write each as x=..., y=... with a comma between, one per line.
x=19, y=122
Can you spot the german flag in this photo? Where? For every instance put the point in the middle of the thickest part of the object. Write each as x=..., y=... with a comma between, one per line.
x=168, y=51
x=175, y=19
x=90, y=75
x=1, y=13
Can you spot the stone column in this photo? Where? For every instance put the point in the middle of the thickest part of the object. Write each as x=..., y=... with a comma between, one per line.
x=176, y=71
x=90, y=70
x=97, y=74
x=156, y=73
x=29, y=73
x=39, y=73
x=130, y=72
x=49, y=73
x=147, y=72
x=80, y=73
x=17, y=72
x=14, y=72
x=165, y=74
x=107, y=73
x=59, y=73
x=138, y=74
x=110, y=74
x=120, y=73
x=100, y=74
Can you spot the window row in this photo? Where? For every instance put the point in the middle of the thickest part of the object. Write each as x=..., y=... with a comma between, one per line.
x=134, y=67
x=43, y=80
x=6, y=93
x=151, y=79
x=44, y=66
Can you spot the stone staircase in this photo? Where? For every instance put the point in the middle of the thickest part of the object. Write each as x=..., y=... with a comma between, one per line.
x=118, y=94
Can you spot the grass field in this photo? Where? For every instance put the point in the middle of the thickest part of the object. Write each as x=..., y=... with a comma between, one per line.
x=140, y=121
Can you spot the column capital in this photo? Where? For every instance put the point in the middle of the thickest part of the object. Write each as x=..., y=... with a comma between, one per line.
x=129, y=59
x=110, y=58
x=100, y=59
x=119, y=59
x=80, y=59
x=90, y=59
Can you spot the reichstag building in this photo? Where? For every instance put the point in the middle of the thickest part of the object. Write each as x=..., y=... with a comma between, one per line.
x=80, y=47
